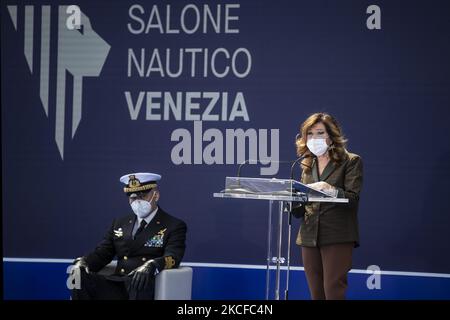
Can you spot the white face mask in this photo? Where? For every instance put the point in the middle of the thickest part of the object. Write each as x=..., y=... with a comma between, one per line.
x=317, y=146
x=142, y=208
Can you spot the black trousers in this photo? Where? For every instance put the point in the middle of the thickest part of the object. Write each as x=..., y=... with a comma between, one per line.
x=98, y=287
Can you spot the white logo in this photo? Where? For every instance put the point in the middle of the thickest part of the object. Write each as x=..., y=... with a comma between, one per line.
x=81, y=52
x=74, y=279
x=374, y=280
x=373, y=22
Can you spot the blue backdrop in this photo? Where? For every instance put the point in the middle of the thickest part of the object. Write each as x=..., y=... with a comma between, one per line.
x=269, y=64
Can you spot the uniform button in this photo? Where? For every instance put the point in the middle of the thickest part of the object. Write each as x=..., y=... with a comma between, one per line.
x=122, y=270
x=144, y=259
x=125, y=258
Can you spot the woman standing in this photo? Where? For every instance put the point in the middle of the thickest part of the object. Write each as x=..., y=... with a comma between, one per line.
x=330, y=230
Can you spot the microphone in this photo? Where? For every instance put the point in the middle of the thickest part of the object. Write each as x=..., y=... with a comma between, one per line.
x=256, y=161
x=239, y=174
x=289, y=208
x=295, y=162
x=242, y=164
x=303, y=156
x=238, y=181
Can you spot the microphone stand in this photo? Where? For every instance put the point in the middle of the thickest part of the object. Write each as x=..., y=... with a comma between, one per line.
x=238, y=185
x=289, y=209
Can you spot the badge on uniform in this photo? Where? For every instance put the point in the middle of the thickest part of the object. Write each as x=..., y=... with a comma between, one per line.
x=157, y=240
x=118, y=233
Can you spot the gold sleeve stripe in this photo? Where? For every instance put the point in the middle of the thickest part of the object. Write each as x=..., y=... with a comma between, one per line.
x=169, y=262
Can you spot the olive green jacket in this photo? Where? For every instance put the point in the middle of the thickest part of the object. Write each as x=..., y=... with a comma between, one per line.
x=331, y=223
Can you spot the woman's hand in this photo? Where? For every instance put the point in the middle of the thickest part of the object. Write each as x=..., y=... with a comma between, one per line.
x=325, y=187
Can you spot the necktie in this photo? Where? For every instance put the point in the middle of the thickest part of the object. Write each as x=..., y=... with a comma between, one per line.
x=141, y=227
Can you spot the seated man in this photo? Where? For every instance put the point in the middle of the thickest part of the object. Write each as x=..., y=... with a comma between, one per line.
x=145, y=243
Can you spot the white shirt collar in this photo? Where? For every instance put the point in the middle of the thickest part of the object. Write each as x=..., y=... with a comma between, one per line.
x=149, y=218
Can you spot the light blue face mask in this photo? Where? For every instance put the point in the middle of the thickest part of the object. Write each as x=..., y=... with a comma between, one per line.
x=318, y=146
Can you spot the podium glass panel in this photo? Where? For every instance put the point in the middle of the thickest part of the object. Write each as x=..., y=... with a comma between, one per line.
x=284, y=191
x=273, y=189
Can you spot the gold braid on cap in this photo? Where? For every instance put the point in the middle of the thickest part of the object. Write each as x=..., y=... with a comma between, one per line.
x=134, y=185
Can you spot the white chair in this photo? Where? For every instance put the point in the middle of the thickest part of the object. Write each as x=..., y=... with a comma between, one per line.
x=174, y=284
x=170, y=284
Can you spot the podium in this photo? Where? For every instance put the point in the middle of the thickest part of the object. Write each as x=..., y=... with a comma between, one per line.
x=285, y=192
